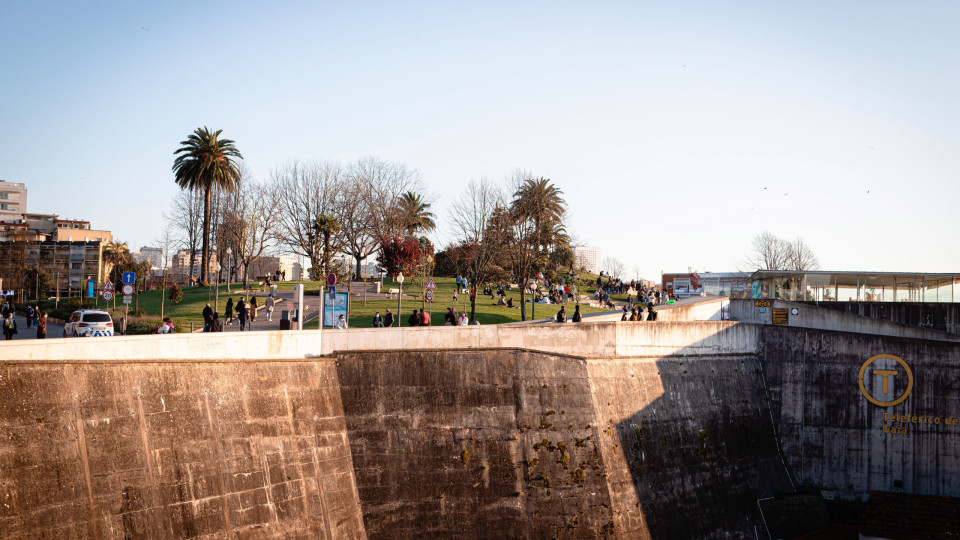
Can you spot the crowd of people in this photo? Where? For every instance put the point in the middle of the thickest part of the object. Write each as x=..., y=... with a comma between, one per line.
x=35, y=318
x=246, y=314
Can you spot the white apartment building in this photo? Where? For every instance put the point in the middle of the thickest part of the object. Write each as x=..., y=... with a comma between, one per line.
x=587, y=258
x=13, y=200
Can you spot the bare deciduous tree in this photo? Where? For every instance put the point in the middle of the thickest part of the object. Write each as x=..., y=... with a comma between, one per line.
x=383, y=184
x=249, y=225
x=614, y=267
x=769, y=252
x=305, y=192
x=186, y=218
x=354, y=215
x=470, y=220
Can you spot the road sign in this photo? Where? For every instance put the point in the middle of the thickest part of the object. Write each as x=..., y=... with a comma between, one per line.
x=331, y=280
x=127, y=299
x=107, y=286
x=129, y=278
x=108, y=295
x=431, y=285
x=429, y=296
x=127, y=289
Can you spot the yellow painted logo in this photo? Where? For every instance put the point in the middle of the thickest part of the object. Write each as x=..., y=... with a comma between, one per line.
x=885, y=376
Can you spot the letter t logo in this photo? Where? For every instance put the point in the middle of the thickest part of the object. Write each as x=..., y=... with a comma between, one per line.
x=886, y=374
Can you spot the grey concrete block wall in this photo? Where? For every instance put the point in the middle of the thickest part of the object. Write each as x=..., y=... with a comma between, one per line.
x=474, y=444
x=834, y=438
x=174, y=450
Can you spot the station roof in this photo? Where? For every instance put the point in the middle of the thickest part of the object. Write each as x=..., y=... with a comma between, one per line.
x=853, y=278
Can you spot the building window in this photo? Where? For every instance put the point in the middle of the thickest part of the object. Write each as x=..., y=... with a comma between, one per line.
x=3, y=206
x=4, y=195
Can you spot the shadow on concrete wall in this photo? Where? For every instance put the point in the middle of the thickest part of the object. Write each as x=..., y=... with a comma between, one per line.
x=698, y=454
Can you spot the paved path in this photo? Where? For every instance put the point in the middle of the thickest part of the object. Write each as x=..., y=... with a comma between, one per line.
x=53, y=330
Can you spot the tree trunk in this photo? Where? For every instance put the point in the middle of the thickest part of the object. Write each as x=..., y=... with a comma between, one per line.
x=246, y=276
x=358, y=276
x=205, y=253
x=523, y=302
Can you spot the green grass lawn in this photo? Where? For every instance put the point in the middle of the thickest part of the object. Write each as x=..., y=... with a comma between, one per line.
x=361, y=316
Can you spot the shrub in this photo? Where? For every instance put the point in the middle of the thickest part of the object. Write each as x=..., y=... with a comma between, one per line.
x=174, y=294
x=148, y=325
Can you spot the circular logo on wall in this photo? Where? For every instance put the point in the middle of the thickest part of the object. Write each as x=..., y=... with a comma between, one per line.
x=885, y=380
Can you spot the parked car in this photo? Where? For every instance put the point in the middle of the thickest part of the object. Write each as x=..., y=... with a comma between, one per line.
x=88, y=323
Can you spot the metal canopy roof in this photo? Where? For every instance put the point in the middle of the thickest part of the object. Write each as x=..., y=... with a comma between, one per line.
x=848, y=278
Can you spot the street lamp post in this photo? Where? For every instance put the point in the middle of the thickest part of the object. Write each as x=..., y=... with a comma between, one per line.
x=216, y=294
x=230, y=273
x=399, y=300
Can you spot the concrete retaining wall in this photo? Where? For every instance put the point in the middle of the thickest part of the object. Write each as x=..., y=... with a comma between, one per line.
x=811, y=316
x=174, y=450
x=943, y=316
x=834, y=438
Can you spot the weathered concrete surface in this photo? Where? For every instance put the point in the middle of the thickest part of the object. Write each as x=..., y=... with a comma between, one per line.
x=474, y=444
x=943, y=316
x=558, y=446
x=824, y=318
x=174, y=450
x=833, y=437
x=587, y=339
x=688, y=445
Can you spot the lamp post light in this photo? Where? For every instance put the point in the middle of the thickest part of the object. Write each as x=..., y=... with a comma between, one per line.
x=230, y=273
x=399, y=300
x=216, y=294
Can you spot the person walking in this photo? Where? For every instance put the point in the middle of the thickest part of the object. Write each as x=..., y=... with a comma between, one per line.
x=242, y=315
x=207, y=317
x=268, y=305
x=42, y=326
x=217, y=324
x=576, y=314
x=413, y=319
x=9, y=326
x=228, y=311
x=253, y=310
x=388, y=319
x=377, y=320
x=29, y=316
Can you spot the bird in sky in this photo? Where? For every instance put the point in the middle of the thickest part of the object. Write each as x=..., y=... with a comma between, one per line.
x=785, y=194
x=144, y=28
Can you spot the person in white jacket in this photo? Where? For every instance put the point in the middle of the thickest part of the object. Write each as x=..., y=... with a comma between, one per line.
x=463, y=319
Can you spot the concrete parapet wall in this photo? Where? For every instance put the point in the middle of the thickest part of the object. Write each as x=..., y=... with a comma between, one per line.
x=819, y=317
x=584, y=339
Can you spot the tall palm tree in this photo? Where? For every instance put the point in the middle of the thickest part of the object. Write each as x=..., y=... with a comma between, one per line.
x=114, y=253
x=325, y=226
x=416, y=213
x=540, y=201
x=205, y=163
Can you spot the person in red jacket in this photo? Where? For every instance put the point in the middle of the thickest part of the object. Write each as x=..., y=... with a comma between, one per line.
x=424, y=318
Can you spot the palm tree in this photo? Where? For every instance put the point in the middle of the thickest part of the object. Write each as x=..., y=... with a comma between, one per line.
x=416, y=213
x=324, y=227
x=206, y=162
x=114, y=253
x=540, y=201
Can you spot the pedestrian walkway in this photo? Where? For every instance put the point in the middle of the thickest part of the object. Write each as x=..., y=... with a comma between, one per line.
x=53, y=330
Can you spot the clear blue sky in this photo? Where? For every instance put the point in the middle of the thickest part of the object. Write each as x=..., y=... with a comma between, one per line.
x=661, y=122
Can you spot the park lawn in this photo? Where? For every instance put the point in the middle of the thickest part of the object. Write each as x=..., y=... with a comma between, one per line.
x=361, y=316
x=190, y=309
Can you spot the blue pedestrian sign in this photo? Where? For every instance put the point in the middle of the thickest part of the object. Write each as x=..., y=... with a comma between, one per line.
x=129, y=278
